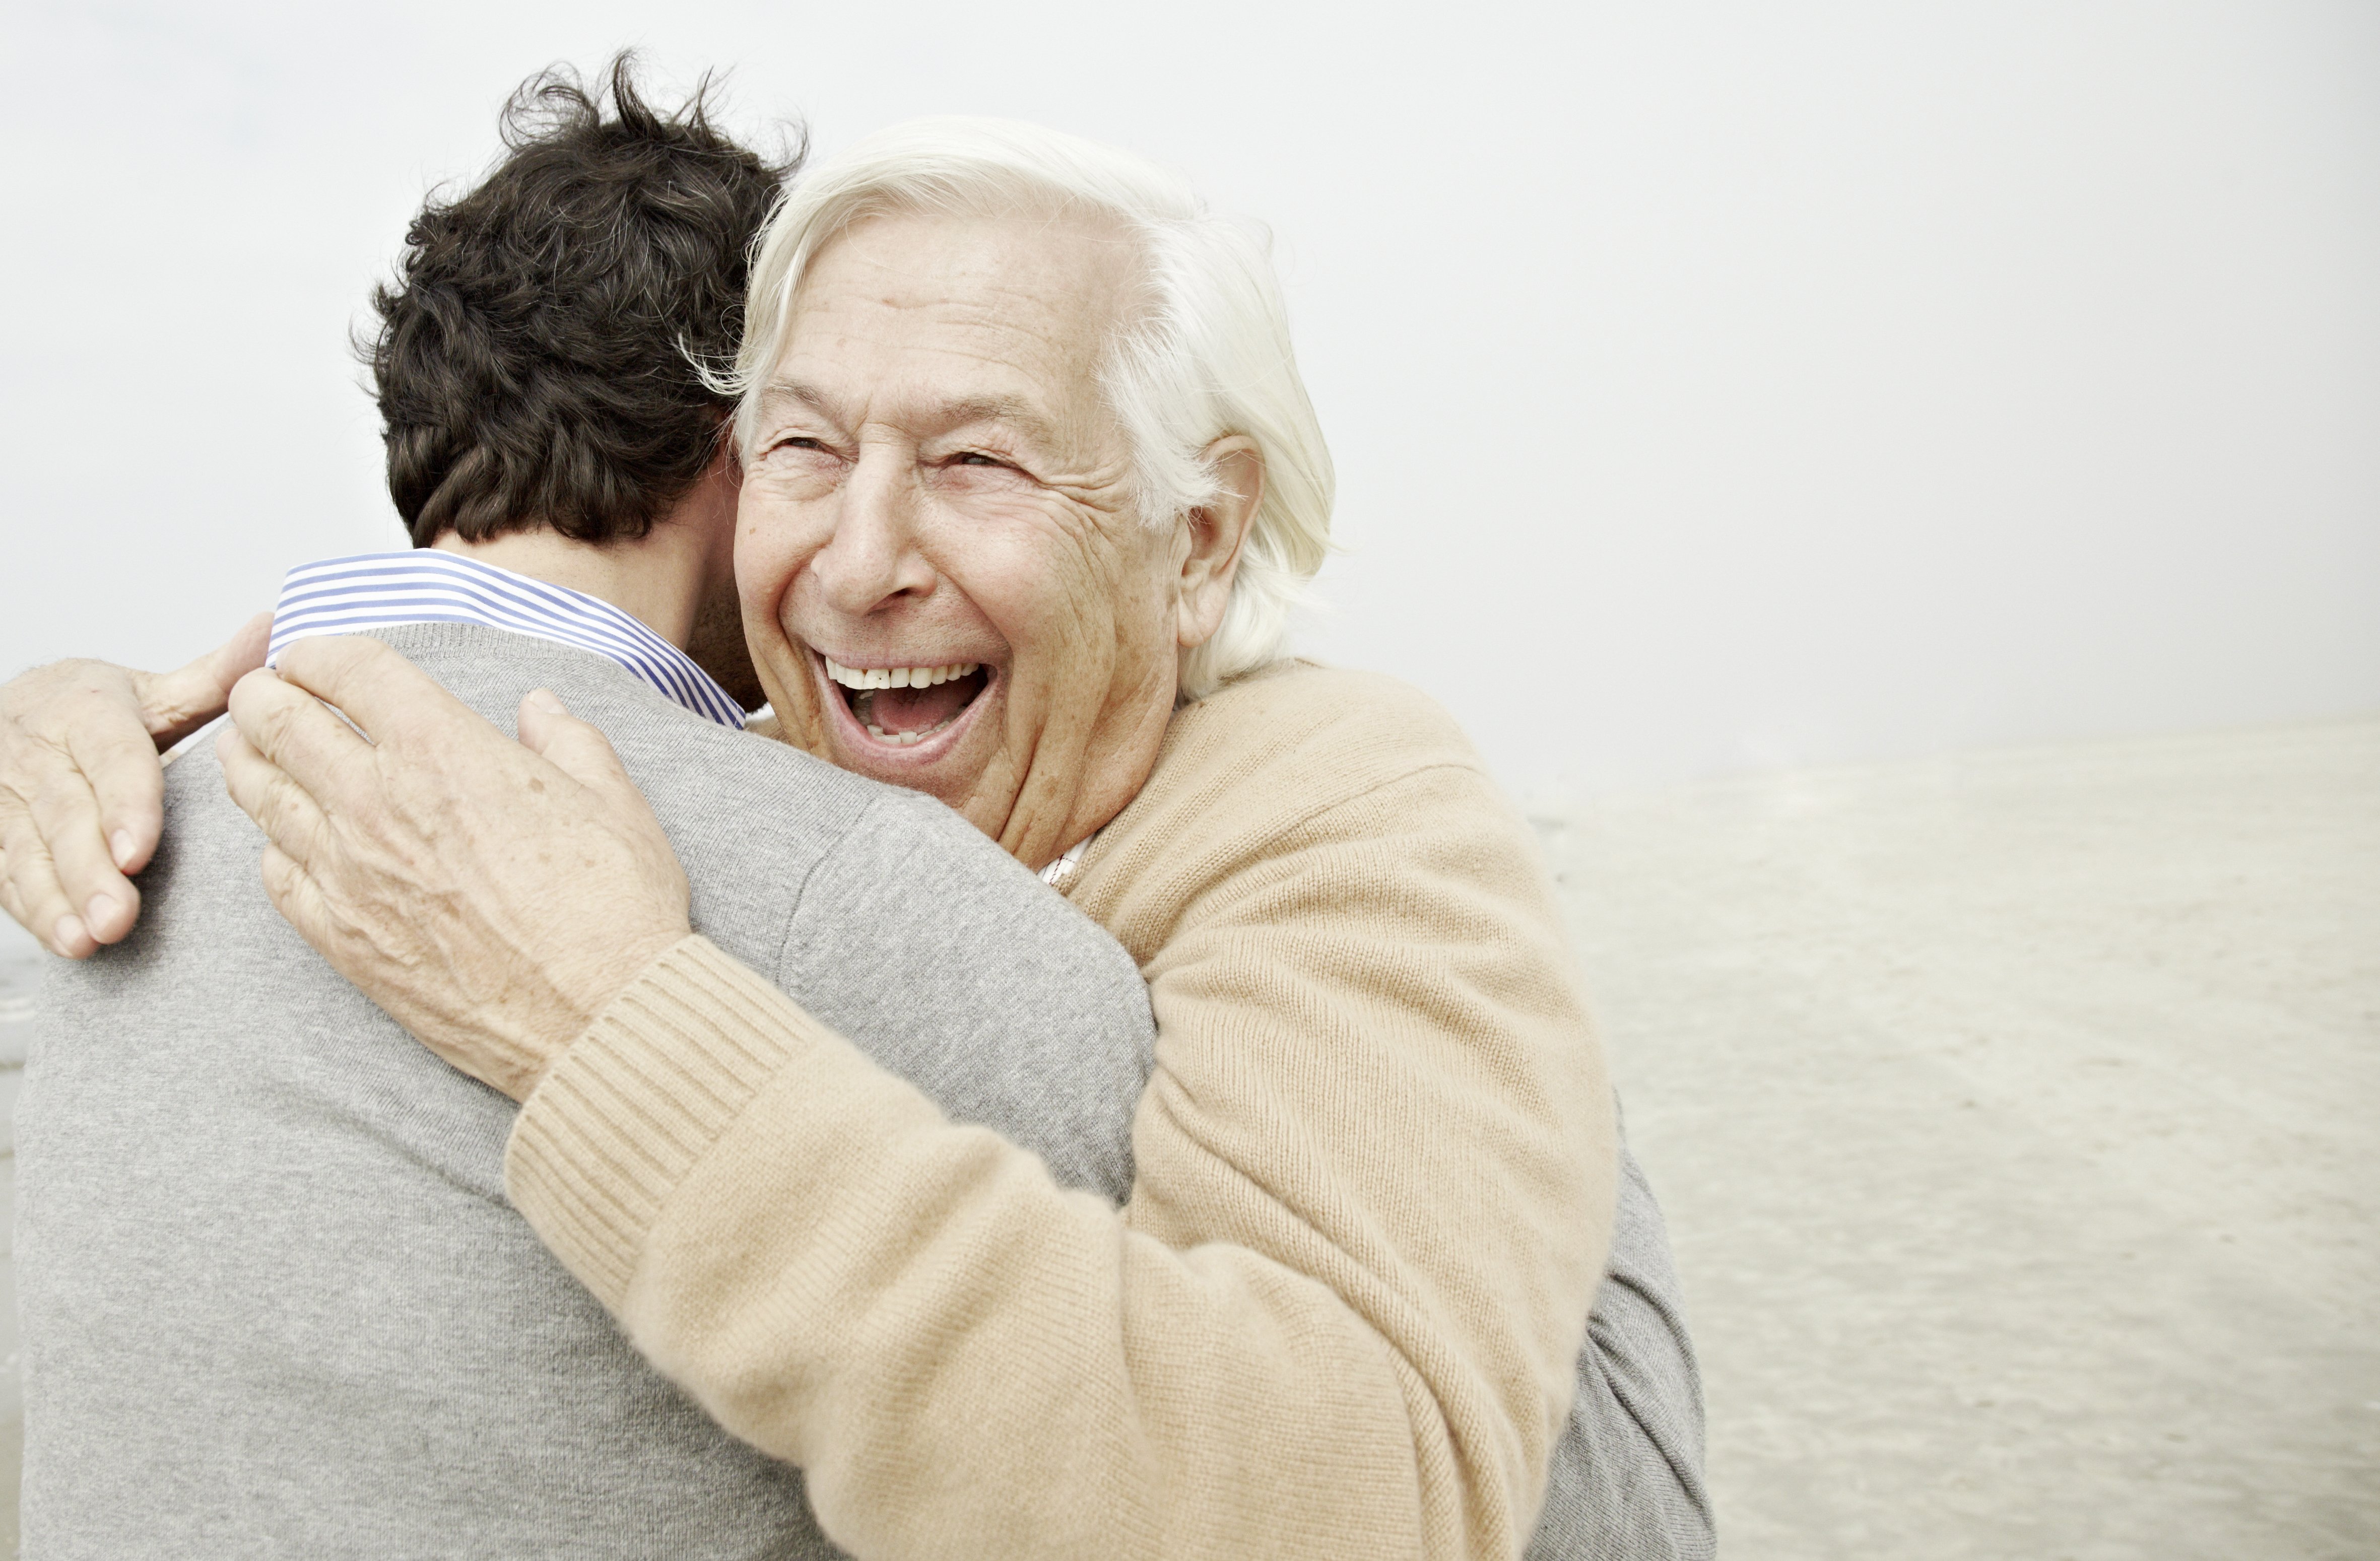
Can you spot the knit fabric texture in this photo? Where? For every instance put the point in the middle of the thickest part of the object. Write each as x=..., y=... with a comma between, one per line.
x=274, y=1300
x=1345, y=1309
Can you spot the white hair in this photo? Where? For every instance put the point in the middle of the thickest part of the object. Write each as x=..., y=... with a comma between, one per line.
x=1206, y=358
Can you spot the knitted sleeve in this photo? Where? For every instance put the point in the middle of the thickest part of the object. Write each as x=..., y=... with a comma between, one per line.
x=1338, y=1317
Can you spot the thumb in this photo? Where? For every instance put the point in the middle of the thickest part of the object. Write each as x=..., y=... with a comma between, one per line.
x=176, y=704
x=573, y=747
x=584, y=753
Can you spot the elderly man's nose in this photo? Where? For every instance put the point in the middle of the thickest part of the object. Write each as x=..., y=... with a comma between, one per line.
x=873, y=554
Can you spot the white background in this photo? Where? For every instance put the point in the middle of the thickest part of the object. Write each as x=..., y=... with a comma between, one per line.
x=1712, y=386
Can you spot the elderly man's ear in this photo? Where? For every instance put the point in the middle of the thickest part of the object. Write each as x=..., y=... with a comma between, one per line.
x=1212, y=537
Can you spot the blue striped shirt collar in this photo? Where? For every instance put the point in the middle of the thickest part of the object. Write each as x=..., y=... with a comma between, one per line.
x=345, y=596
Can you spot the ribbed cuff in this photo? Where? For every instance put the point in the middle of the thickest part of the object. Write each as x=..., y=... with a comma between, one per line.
x=632, y=1106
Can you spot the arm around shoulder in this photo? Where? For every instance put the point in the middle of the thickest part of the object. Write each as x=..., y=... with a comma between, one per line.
x=960, y=1354
x=1338, y=1317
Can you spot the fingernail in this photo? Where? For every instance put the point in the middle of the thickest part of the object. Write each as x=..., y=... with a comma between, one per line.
x=545, y=700
x=68, y=934
x=120, y=844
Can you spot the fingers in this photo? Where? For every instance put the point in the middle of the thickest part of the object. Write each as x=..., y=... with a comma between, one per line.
x=66, y=812
x=584, y=753
x=296, y=897
x=383, y=693
x=31, y=893
x=292, y=728
x=175, y=703
x=102, y=812
x=73, y=737
x=11, y=905
x=578, y=749
x=290, y=819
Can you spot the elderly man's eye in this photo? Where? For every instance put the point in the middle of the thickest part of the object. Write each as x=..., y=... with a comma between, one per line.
x=977, y=459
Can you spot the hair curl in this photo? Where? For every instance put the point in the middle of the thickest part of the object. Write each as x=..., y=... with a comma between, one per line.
x=536, y=360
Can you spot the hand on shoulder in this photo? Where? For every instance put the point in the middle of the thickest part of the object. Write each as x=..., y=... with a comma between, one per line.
x=81, y=792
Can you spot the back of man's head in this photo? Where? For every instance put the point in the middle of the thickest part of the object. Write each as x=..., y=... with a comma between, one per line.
x=535, y=358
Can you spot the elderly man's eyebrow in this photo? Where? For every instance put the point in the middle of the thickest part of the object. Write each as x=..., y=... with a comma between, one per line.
x=800, y=394
x=1014, y=411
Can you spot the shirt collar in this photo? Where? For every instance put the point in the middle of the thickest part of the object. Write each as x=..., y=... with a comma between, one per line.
x=345, y=596
x=1060, y=873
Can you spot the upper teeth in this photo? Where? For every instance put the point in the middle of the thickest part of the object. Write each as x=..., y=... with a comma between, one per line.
x=895, y=677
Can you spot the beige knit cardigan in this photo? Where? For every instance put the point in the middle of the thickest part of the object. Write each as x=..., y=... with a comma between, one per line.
x=1340, y=1313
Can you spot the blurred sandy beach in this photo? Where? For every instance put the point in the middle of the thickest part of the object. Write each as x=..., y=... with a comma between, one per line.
x=2015, y=1117
x=2015, y=1114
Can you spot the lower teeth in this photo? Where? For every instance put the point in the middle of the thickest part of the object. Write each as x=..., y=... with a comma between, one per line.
x=902, y=739
x=862, y=707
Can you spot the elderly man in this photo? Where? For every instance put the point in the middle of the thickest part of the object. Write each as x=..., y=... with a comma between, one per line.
x=1030, y=481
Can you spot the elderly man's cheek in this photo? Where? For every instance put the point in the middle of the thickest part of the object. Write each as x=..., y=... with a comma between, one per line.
x=802, y=716
x=1081, y=621
x=778, y=656
x=1095, y=558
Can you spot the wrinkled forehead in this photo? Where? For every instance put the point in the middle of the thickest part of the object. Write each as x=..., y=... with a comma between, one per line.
x=950, y=308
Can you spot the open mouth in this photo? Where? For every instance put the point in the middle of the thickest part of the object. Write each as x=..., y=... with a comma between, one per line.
x=905, y=705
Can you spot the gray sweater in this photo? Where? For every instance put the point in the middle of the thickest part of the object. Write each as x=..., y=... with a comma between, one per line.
x=274, y=1301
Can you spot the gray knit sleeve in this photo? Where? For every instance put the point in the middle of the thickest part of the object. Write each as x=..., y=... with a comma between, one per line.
x=1626, y=1483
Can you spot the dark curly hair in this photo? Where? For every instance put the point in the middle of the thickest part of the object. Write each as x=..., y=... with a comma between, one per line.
x=535, y=358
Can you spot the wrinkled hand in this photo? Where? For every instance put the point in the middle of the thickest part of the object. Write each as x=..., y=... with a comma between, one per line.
x=491, y=896
x=82, y=797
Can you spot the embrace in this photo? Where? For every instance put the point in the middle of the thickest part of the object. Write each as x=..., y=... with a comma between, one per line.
x=1072, y=1080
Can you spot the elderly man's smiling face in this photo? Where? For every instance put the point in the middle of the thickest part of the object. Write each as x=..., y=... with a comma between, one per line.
x=945, y=581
